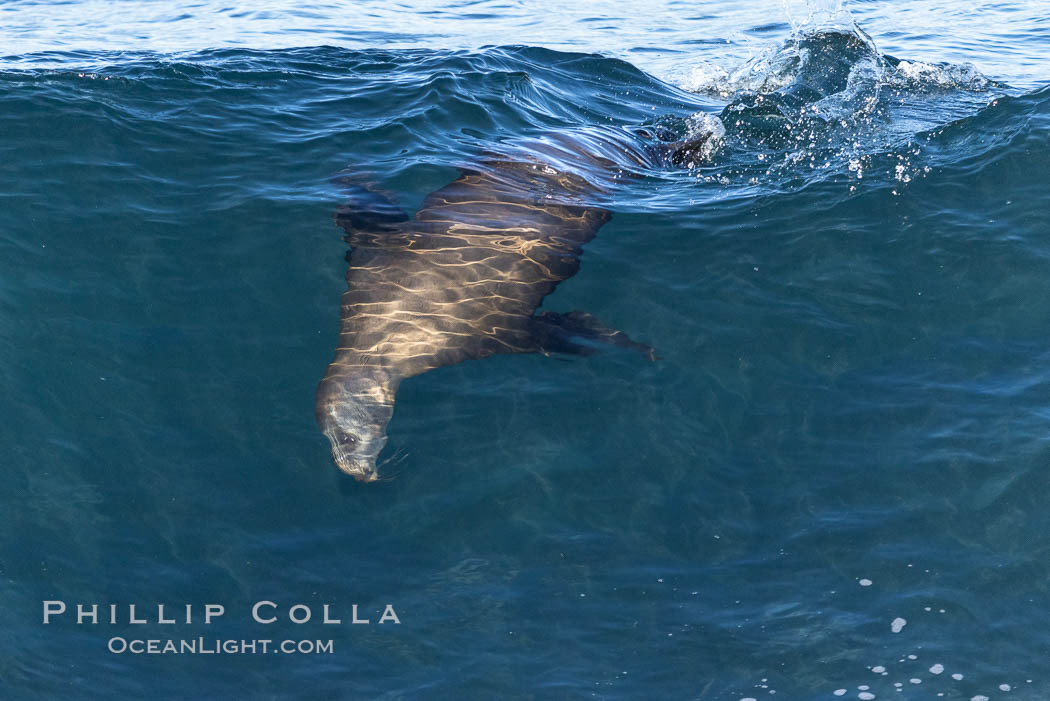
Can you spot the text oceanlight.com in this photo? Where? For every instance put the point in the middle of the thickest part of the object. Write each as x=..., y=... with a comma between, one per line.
x=202, y=646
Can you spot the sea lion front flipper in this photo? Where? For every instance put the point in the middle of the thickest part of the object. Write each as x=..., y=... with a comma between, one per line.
x=563, y=333
x=366, y=209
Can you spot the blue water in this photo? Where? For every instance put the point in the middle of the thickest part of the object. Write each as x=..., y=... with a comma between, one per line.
x=847, y=426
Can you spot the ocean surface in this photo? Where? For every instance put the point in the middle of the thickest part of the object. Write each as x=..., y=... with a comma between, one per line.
x=832, y=483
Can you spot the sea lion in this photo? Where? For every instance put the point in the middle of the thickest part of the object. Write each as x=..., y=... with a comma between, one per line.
x=464, y=278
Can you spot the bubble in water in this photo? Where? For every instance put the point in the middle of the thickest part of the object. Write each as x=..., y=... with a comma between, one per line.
x=708, y=78
x=703, y=123
x=815, y=13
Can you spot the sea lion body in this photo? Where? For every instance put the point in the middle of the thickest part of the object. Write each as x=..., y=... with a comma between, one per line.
x=464, y=278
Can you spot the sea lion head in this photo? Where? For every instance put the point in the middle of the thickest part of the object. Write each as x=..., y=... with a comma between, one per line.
x=353, y=411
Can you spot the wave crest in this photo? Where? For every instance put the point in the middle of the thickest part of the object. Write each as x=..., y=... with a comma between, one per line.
x=831, y=64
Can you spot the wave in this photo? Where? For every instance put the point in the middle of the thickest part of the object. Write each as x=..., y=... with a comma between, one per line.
x=829, y=60
x=825, y=106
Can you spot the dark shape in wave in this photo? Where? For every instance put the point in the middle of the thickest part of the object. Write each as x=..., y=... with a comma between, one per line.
x=464, y=278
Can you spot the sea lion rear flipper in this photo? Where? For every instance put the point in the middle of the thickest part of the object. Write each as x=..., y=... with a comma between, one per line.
x=563, y=333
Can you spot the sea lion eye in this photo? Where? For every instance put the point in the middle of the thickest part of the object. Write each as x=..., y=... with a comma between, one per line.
x=347, y=439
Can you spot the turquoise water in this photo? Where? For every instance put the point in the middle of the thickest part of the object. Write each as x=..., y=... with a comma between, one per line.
x=846, y=427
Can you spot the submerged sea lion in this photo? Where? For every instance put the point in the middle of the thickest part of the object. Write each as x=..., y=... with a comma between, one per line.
x=464, y=278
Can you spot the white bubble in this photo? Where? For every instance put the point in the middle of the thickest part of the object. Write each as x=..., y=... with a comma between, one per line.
x=957, y=676
x=839, y=692
x=1004, y=687
x=979, y=697
x=937, y=669
x=915, y=680
x=865, y=582
x=879, y=669
x=866, y=695
x=898, y=625
x=707, y=77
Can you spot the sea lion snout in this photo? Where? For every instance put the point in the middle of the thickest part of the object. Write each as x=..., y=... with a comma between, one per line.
x=353, y=414
x=357, y=437
x=361, y=469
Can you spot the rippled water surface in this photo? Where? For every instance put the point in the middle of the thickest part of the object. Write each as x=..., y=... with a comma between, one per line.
x=830, y=483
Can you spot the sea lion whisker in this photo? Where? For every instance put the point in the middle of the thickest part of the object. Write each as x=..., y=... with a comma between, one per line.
x=393, y=461
x=398, y=457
